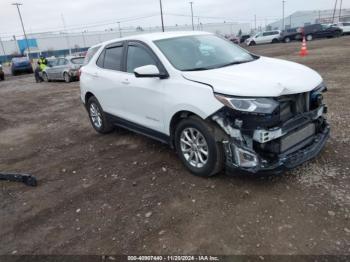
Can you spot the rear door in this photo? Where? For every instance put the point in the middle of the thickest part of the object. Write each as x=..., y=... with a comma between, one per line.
x=107, y=77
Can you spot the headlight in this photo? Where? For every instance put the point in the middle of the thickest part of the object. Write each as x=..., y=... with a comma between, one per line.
x=252, y=105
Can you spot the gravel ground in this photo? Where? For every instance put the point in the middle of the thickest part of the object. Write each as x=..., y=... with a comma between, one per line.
x=126, y=194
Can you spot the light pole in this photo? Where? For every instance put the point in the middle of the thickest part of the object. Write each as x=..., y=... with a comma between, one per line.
x=191, y=3
x=24, y=31
x=335, y=9
x=161, y=14
x=120, y=30
x=341, y=6
x=66, y=33
x=283, y=3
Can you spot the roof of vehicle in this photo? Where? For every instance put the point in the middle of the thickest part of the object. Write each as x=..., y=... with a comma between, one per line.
x=156, y=36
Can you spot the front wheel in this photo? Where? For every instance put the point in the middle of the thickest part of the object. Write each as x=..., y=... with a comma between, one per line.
x=45, y=77
x=197, y=147
x=67, y=77
x=275, y=41
x=252, y=43
x=287, y=40
x=97, y=117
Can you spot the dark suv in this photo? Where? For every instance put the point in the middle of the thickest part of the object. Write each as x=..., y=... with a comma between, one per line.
x=291, y=34
x=20, y=65
x=321, y=31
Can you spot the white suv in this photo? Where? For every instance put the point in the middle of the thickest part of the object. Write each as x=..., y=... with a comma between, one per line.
x=264, y=38
x=215, y=103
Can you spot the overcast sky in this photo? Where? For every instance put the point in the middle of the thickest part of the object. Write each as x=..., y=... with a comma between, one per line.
x=46, y=15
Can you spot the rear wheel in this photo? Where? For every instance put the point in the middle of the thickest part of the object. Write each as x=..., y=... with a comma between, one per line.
x=197, y=147
x=97, y=117
x=2, y=77
x=309, y=37
x=67, y=77
x=252, y=43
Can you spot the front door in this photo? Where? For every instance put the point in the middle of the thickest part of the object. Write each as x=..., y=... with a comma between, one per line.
x=143, y=97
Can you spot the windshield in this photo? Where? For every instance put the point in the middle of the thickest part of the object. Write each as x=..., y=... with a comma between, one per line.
x=78, y=60
x=202, y=52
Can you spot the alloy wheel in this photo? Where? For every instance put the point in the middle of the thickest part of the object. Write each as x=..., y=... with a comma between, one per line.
x=194, y=147
x=95, y=115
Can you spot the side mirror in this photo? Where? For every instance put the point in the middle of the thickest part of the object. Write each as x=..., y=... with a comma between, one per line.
x=147, y=71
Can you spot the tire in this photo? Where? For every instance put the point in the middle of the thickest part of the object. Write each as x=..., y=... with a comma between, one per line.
x=45, y=77
x=252, y=43
x=97, y=117
x=275, y=41
x=67, y=77
x=14, y=73
x=2, y=77
x=192, y=153
x=309, y=37
x=287, y=40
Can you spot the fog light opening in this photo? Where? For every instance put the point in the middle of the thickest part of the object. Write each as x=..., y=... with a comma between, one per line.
x=244, y=158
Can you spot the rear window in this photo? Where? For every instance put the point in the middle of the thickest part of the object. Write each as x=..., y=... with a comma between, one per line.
x=19, y=59
x=78, y=60
x=346, y=24
x=113, y=58
x=90, y=53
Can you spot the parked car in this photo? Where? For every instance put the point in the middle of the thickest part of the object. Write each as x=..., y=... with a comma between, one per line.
x=244, y=38
x=345, y=26
x=217, y=104
x=66, y=69
x=20, y=65
x=233, y=39
x=264, y=38
x=321, y=31
x=291, y=35
x=2, y=74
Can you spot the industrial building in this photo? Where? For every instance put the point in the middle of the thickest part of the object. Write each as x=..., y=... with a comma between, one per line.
x=302, y=18
x=59, y=44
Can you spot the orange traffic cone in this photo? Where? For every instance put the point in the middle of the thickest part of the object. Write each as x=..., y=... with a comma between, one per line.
x=303, y=51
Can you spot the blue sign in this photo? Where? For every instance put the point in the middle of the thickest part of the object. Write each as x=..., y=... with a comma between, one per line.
x=22, y=44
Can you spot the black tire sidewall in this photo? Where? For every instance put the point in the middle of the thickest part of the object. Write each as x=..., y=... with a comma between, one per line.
x=106, y=126
x=213, y=154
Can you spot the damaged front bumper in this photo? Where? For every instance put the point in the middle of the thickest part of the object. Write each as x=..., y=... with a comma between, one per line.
x=278, y=149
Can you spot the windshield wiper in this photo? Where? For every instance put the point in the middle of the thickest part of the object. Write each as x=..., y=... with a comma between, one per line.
x=234, y=63
x=197, y=69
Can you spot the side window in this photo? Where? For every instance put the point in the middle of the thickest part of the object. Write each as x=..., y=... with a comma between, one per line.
x=113, y=58
x=61, y=61
x=101, y=59
x=138, y=56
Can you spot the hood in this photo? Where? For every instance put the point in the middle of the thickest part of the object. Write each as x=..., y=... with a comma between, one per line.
x=264, y=77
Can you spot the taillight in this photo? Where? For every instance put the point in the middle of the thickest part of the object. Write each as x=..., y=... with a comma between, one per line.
x=79, y=72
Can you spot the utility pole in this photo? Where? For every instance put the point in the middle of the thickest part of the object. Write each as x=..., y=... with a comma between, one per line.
x=255, y=23
x=161, y=14
x=120, y=30
x=283, y=3
x=24, y=31
x=335, y=8
x=191, y=3
x=340, y=9
x=67, y=36
x=84, y=41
